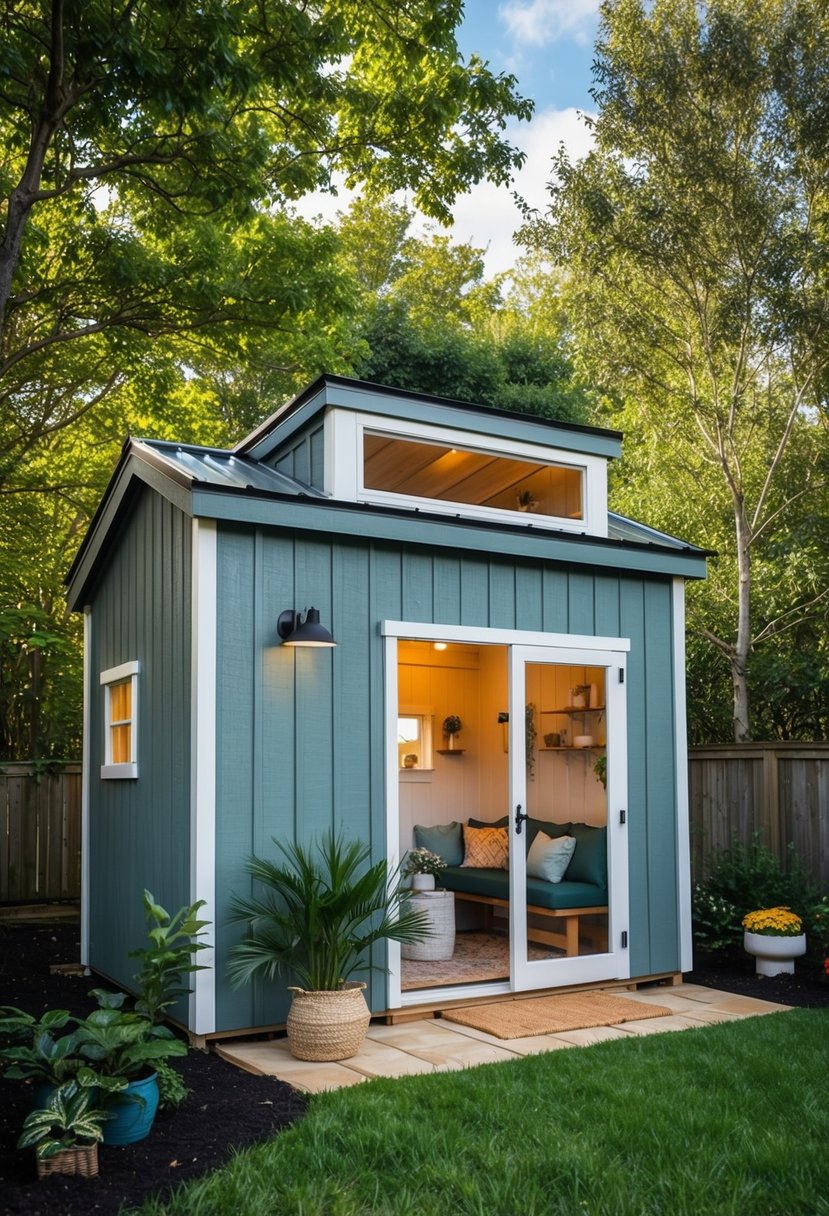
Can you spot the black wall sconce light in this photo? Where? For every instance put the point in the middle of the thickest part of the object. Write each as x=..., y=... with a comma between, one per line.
x=295, y=631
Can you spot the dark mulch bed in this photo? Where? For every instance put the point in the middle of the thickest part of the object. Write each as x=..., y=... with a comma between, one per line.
x=228, y=1108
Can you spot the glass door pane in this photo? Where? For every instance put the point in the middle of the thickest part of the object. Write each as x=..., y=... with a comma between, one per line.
x=568, y=856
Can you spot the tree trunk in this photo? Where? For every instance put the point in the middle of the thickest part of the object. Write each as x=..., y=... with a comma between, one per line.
x=739, y=656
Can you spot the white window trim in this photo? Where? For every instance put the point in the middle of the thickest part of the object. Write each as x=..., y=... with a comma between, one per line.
x=345, y=430
x=118, y=675
x=426, y=713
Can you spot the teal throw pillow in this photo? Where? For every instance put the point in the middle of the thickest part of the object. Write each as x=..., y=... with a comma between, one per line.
x=589, y=862
x=548, y=858
x=445, y=839
x=489, y=823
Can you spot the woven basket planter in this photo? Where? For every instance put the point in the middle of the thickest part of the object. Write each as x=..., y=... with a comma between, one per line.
x=328, y=1025
x=81, y=1160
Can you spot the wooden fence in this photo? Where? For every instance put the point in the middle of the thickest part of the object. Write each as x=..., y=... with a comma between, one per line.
x=780, y=790
x=40, y=833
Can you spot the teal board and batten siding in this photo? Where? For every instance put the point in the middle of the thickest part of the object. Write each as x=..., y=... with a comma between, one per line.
x=304, y=459
x=300, y=733
x=140, y=829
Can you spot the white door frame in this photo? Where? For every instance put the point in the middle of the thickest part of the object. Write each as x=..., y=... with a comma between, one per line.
x=392, y=631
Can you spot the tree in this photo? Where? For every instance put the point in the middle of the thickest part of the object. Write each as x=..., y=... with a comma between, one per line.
x=434, y=323
x=696, y=244
x=152, y=276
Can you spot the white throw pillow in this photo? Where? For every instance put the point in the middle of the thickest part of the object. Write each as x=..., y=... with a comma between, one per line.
x=549, y=858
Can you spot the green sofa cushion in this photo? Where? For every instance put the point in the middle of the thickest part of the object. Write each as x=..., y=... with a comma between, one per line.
x=445, y=839
x=495, y=883
x=589, y=862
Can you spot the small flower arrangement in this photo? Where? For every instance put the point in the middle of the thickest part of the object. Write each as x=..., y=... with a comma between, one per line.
x=773, y=922
x=423, y=861
x=452, y=725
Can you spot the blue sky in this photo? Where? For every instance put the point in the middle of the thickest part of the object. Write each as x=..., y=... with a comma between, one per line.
x=548, y=46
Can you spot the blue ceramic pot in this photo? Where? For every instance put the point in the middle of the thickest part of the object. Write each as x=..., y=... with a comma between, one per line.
x=132, y=1112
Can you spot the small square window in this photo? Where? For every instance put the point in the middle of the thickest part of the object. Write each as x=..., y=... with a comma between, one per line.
x=120, y=685
x=414, y=739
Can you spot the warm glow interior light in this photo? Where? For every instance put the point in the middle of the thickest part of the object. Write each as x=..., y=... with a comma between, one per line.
x=440, y=645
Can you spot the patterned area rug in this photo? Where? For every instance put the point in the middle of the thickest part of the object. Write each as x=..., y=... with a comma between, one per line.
x=478, y=958
x=553, y=1014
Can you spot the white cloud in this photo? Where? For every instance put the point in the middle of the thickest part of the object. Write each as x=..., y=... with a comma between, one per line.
x=540, y=22
x=487, y=216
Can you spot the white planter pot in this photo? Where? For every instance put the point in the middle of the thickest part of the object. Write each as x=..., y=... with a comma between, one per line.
x=774, y=955
x=423, y=882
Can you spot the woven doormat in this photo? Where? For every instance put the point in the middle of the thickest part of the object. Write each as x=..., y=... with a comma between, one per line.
x=553, y=1014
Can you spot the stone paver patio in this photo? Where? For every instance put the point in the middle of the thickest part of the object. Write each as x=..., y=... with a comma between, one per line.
x=435, y=1045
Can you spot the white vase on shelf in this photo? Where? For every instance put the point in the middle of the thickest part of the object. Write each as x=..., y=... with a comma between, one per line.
x=423, y=882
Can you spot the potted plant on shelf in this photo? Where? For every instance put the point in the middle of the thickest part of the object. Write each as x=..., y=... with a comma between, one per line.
x=321, y=911
x=65, y=1132
x=423, y=867
x=451, y=727
x=580, y=696
x=775, y=937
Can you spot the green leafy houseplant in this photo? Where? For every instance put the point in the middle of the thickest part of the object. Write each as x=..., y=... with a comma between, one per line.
x=173, y=940
x=31, y=1051
x=423, y=861
x=69, y=1121
x=320, y=913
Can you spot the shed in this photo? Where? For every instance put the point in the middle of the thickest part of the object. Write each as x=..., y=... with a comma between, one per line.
x=466, y=563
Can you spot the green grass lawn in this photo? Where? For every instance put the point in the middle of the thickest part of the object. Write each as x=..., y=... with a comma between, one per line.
x=730, y=1119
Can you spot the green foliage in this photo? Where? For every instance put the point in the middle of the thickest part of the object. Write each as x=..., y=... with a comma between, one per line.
x=817, y=926
x=172, y=1091
x=697, y=260
x=153, y=277
x=70, y=1119
x=30, y=1049
x=742, y=879
x=168, y=957
x=121, y=1043
x=321, y=911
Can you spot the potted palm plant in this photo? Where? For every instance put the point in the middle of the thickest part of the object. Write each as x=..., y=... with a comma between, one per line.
x=321, y=911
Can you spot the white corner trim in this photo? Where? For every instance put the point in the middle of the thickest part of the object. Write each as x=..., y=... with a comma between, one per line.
x=202, y=1004
x=394, y=990
x=683, y=824
x=85, y=780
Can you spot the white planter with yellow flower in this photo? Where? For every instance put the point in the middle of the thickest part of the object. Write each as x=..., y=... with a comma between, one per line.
x=775, y=937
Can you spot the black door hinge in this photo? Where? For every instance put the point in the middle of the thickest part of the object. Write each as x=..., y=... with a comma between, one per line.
x=624, y=939
x=623, y=816
x=621, y=675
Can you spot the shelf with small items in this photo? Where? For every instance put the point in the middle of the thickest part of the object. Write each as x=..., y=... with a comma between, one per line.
x=450, y=751
x=575, y=711
x=569, y=747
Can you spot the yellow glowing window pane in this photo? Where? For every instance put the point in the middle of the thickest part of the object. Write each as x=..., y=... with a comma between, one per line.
x=121, y=744
x=120, y=702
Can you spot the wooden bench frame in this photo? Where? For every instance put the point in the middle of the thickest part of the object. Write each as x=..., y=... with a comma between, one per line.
x=568, y=941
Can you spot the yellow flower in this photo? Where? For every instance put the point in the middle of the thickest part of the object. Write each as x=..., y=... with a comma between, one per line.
x=773, y=922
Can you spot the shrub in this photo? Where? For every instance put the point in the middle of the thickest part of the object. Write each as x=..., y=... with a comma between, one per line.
x=745, y=877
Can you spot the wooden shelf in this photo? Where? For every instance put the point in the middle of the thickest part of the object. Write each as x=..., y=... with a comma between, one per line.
x=450, y=751
x=594, y=747
x=572, y=710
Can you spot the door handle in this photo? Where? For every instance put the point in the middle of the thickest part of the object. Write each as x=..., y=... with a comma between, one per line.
x=519, y=819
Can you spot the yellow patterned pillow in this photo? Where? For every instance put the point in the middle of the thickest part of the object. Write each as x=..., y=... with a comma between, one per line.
x=485, y=848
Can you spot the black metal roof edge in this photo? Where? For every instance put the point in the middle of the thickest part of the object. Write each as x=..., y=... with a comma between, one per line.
x=136, y=449
x=328, y=379
x=457, y=521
